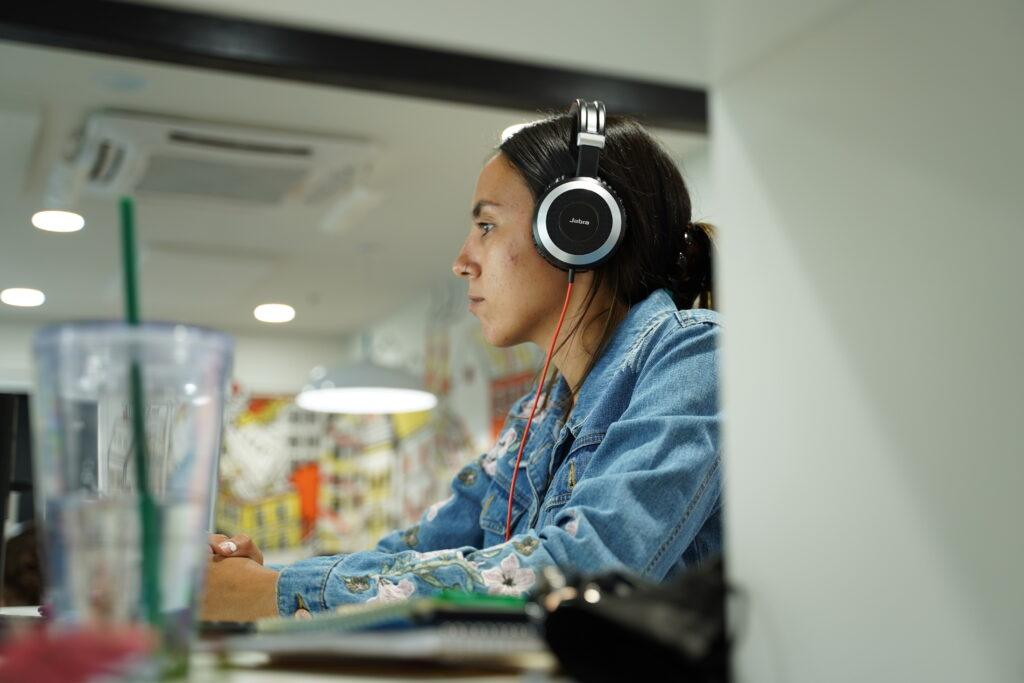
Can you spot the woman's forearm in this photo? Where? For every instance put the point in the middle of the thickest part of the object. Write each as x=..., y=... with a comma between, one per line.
x=238, y=589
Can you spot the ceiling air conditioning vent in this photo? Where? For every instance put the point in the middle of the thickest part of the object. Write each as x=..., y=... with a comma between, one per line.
x=126, y=153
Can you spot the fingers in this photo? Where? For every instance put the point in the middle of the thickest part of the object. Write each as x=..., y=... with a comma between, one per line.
x=213, y=540
x=239, y=545
x=303, y=614
x=244, y=547
x=228, y=548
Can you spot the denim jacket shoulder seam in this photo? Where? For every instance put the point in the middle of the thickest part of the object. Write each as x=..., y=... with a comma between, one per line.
x=687, y=318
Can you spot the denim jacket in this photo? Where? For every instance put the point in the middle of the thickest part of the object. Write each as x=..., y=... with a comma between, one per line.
x=631, y=481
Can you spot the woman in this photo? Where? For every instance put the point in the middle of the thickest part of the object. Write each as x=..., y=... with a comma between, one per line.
x=620, y=465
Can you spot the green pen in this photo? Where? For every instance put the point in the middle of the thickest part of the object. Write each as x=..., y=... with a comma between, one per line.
x=480, y=599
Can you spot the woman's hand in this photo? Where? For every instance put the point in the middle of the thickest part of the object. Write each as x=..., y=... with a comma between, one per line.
x=238, y=589
x=239, y=545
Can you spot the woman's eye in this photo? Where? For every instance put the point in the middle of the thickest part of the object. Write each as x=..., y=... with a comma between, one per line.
x=485, y=227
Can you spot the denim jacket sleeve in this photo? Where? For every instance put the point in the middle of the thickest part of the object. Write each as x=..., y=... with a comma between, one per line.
x=650, y=484
x=654, y=480
x=437, y=552
x=450, y=523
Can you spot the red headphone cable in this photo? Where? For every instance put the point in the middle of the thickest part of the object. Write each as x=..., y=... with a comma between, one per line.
x=536, y=399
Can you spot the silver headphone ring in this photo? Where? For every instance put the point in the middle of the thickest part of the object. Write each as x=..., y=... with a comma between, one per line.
x=596, y=187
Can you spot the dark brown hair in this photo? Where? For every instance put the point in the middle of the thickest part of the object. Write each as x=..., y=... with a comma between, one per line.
x=661, y=247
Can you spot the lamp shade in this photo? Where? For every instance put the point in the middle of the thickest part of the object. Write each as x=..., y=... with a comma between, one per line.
x=364, y=388
x=59, y=212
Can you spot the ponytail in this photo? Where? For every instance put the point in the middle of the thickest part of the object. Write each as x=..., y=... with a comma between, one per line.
x=694, y=285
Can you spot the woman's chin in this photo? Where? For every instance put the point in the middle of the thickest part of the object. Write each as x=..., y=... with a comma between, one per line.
x=498, y=338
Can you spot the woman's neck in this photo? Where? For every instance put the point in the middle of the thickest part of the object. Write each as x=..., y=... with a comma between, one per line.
x=574, y=358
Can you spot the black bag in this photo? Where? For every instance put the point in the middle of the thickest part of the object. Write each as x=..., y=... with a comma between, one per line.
x=616, y=627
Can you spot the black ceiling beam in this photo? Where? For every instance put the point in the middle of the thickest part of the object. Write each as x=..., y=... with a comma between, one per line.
x=262, y=49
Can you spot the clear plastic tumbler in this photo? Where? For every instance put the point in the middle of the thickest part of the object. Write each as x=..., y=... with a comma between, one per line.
x=87, y=495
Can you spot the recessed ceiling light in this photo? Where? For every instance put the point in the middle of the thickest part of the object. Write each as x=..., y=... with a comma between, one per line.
x=22, y=296
x=58, y=221
x=274, y=313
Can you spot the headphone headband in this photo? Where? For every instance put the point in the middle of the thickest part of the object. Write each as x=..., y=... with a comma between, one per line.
x=589, y=116
x=579, y=222
x=589, y=136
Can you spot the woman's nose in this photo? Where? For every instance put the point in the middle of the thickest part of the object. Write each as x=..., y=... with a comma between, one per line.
x=464, y=267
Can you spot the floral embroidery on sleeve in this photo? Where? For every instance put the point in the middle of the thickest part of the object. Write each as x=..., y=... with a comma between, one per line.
x=489, y=462
x=411, y=536
x=426, y=566
x=497, y=570
x=526, y=546
x=357, y=584
x=572, y=526
x=467, y=475
x=448, y=554
x=508, y=578
x=391, y=592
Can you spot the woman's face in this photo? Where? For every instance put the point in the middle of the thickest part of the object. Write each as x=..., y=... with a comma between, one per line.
x=514, y=292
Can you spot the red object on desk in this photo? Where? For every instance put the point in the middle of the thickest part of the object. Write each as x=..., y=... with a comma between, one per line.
x=70, y=657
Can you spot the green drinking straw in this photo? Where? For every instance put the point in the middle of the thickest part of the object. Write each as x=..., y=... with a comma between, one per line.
x=147, y=507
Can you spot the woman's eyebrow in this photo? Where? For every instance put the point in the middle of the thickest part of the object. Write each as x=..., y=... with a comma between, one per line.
x=479, y=206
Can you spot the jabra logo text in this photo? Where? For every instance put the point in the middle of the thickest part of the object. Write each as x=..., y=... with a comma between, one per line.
x=579, y=220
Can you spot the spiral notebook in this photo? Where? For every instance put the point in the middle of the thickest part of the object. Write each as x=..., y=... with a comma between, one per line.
x=451, y=628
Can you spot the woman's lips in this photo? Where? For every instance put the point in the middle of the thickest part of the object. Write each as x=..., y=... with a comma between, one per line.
x=475, y=300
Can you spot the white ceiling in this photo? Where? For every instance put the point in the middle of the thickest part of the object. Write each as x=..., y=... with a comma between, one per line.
x=208, y=264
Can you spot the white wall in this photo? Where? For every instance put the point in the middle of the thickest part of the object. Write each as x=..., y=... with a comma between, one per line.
x=868, y=171
x=696, y=170
x=15, y=357
x=281, y=365
x=399, y=340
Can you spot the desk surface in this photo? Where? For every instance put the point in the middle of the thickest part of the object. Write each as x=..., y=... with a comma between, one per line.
x=252, y=668
x=255, y=667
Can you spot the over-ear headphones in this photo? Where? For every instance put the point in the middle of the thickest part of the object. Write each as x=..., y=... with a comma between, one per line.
x=578, y=221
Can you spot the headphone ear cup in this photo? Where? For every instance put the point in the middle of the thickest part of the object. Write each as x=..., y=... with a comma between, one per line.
x=578, y=223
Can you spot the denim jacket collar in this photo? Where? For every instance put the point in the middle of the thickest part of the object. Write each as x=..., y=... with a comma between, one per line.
x=622, y=346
